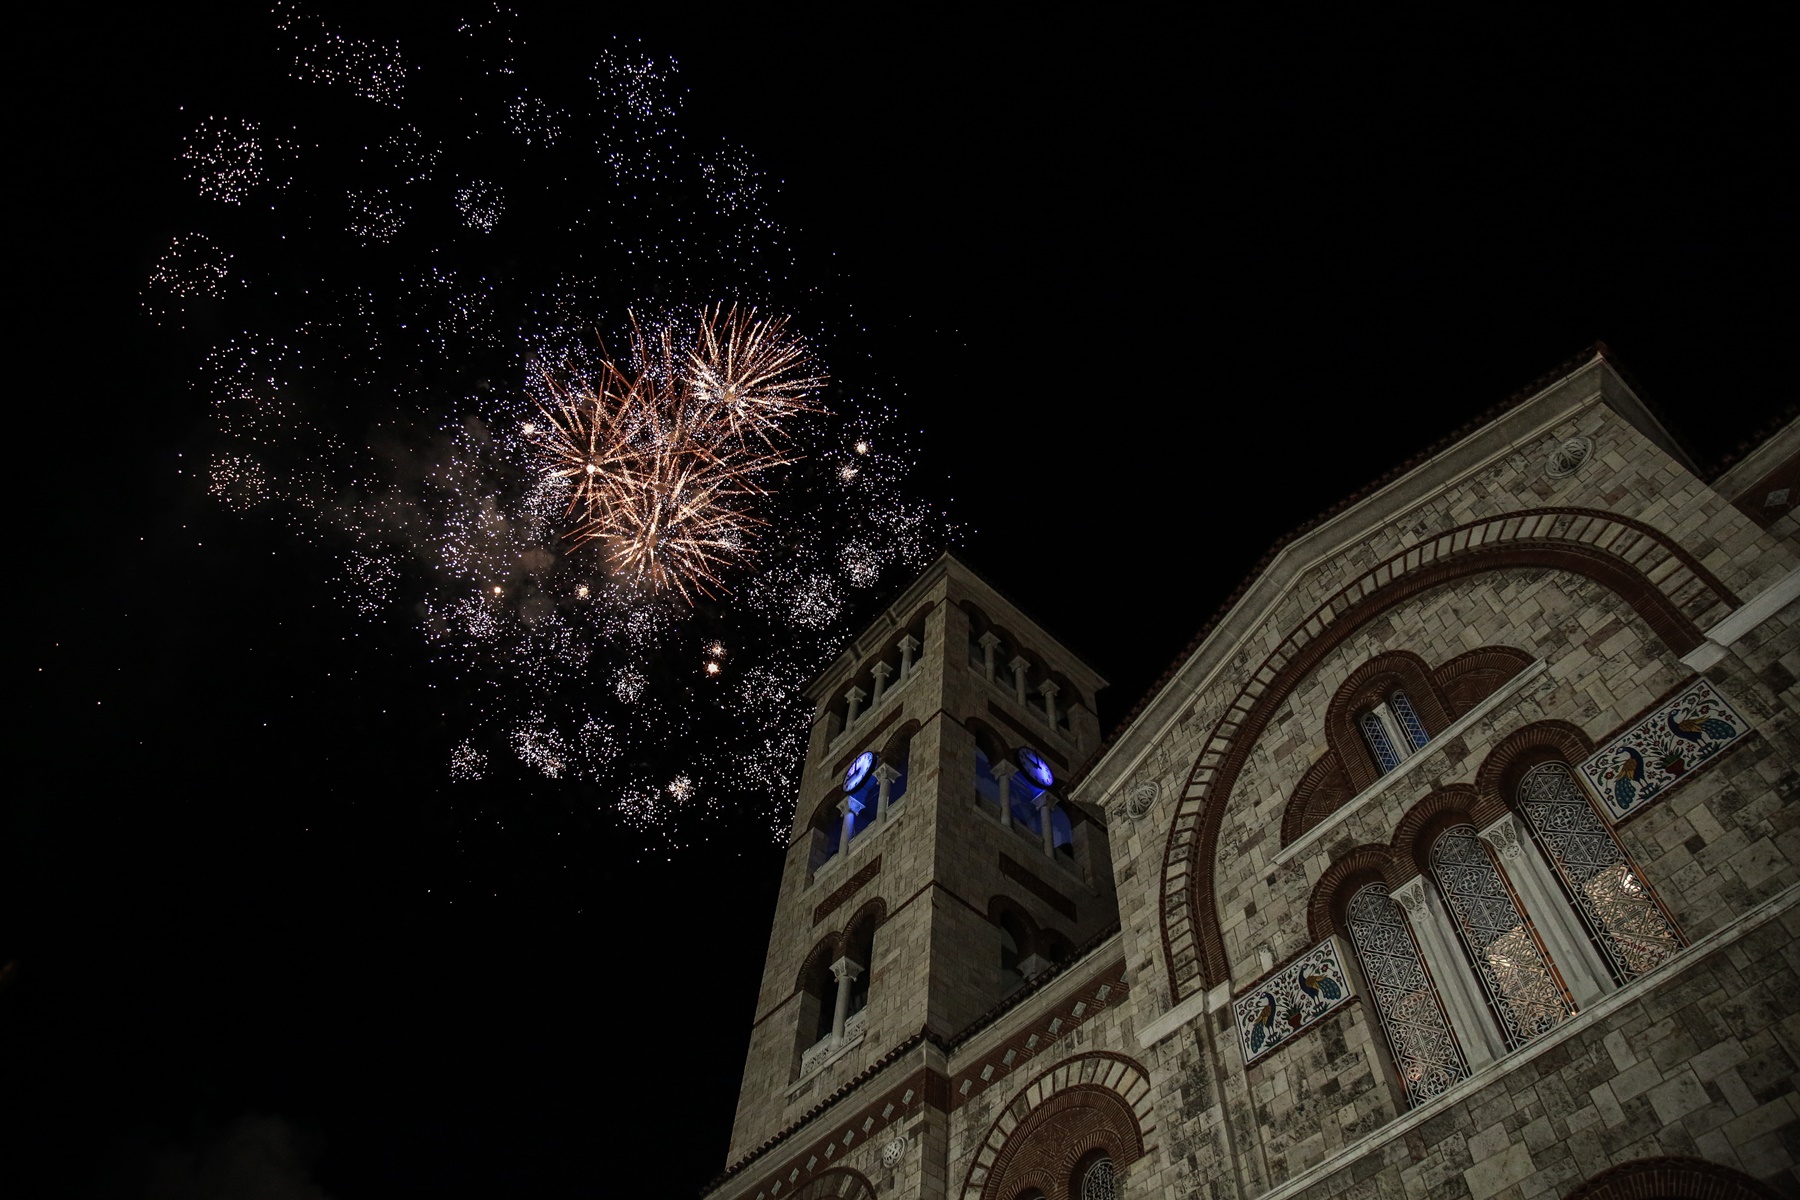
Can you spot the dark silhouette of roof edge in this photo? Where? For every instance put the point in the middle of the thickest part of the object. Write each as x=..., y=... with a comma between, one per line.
x=1495, y=412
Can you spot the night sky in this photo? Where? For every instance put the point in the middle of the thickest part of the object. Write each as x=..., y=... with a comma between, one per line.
x=1146, y=298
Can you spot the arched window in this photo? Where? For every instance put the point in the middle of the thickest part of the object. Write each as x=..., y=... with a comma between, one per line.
x=818, y=999
x=1381, y=745
x=1013, y=943
x=1521, y=984
x=1424, y=1050
x=1392, y=730
x=859, y=948
x=1617, y=909
x=1411, y=728
x=1096, y=1181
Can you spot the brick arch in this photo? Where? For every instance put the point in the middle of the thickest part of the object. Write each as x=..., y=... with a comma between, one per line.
x=982, y=730
x=1672, y=1179
x=1457, y=804
x=828, y=950
x=1321, y=791
x=1362, y=865
x=839, y=1183
x=1097, y=1100
x=1467, y=679
x=900, y=737
x=872, y=913
x=1497, y=780
x=1367, y=686
x=1665, y=584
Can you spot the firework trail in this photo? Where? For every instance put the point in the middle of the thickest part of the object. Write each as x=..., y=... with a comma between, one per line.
x=572, y=538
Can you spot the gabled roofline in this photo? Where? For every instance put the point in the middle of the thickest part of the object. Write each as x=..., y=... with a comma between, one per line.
x=1759, y=460
x=1513, y=422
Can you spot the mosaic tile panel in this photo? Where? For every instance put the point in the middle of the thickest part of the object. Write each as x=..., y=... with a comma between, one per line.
x=1285, y=1004
x=1651, y=757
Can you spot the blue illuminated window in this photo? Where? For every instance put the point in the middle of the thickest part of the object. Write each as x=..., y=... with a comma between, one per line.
x=1387, y=756
x=1410, y=725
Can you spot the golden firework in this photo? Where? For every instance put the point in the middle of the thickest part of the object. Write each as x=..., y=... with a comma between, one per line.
x=664, y=461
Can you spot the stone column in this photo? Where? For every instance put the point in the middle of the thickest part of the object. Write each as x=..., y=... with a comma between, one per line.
x=884, y=779
x=1048, y=691
x=1575, y=953
x=1046, y=806
x=1020, y=665
x=853, y=698
x=845, y=826
x=1403, y=745
x=881, y=671
x=1003, y=772
x=1451, y=971
x=846, y=972
x=909, y=646
x=989, y=643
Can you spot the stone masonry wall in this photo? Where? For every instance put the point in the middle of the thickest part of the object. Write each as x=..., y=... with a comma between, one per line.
x=1715, y=848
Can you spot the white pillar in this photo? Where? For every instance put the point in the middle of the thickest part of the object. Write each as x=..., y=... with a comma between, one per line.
x=844, y=827
x=1575, y=953
x=989, y=643
x=1048, y=690
x=1403, y=745
x=881, y=671
x=1046, y=806
x=1020, y=665
x=1451, y=971
x=884, y=779
x=1003, y=772
x=853, y=698
x=909, y=646
x=846, y=971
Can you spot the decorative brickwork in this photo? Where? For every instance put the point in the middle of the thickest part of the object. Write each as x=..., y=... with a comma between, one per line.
x=1672, y=1179
x=1469, y=678
x=1017, y=871
x=1368, y=686
x=1089, y=1101
x=1043, y=1035
x=1664, y=583
x=1497, y=782
x=1324, y=789
x=841, y=1184
x=846, y=889
x=859, y=1127
x=1287, y=1002
x=1673, y=741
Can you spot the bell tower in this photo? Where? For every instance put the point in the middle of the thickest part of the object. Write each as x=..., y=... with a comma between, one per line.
x=934, y=864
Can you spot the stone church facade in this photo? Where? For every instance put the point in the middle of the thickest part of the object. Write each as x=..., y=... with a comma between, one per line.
x=1457, y=856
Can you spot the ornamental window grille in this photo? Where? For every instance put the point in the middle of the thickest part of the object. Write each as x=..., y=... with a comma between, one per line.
x=1424, y=1048
x=1617, y=908
x=1097, y=1183
x=1523, y=989
x=1387, y=755
x=1408, y=720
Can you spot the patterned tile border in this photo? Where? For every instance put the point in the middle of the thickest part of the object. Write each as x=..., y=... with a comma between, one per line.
x=1670, y=743
x=1284, y=1004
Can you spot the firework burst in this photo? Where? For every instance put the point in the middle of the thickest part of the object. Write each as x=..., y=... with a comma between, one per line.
x=665, y=461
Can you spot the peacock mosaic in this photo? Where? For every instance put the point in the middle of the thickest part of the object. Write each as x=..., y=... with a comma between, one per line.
x=1675, y=740
x=1284, y=1004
